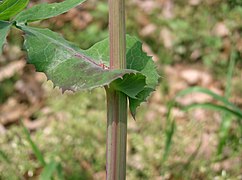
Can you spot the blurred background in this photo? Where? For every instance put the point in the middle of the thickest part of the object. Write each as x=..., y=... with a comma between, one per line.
x=193, y=43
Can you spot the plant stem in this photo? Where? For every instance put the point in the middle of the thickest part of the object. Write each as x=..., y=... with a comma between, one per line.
x=116, y=135
x=117, y=34
x=116, y=101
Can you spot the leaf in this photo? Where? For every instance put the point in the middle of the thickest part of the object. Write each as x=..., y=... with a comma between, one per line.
x=4, y=28
x=169, y=133
x=212, y=94
x=71, y=68
x=34, y=147
x=131, y=85
x=45, y=11
x=74, y=69
x=9, y=8
x=49, y=170
x=136, y=60
x=141, y=97
x=213, y=107
x=6, y=4
x=135, y=57
x=226, y=118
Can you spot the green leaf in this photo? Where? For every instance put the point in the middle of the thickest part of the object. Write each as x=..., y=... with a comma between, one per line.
x=45, y=11
x=169, y=133
x=213, y=107
x=6, y=4
x=34, y=147
x=135, y=57
x=136, y=60
x=49, y=171
x=212, y=94
x=4, y=28
x=141, y=97
x=9, y=8
x=71, y=68
x=130, y=84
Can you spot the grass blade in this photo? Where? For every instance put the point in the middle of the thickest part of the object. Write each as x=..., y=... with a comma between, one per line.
x=34, y=147
x=169, y=135
x=212, y=94
x=230, y=74
x=213, y=107
x=48, y=171
x=226, y=118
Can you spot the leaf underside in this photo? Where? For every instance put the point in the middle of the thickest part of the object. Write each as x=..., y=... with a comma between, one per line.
x=71, y=68
x=4, y=28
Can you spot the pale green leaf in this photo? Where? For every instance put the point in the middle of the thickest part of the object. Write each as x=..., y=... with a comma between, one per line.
x=213, y=107
x=4, y=28
x=217, y=97
x=45, y=11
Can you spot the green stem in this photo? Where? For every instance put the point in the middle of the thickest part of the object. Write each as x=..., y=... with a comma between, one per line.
x=116, y=101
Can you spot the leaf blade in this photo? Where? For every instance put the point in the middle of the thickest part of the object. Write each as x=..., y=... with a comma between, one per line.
x=6, y=4
x=136, y=60
x=4, y=28
x=212, y=94
x=70, y=68
x=49, y=171
x=213, y=107
x=66, y=65
x=34, y=147
x=10, y=8
x=45, y=11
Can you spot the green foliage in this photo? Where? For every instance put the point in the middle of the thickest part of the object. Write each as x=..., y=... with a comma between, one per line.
x=213, y=107
x=82, y=158
x=234, y=3
x=228, y=109
x=66, y=65
x=136, y=60
x=184, y=37
x=4, y=28
x=48, y=168
x=226, y=118
x=34, y=147
x=44, y=11
x=71, y=68
x=9, y=8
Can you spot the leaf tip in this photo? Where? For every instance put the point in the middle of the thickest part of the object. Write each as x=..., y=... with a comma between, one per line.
x=133, y=115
